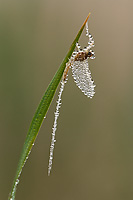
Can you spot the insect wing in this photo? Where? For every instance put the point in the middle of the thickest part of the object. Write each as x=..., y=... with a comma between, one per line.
x=82, y=77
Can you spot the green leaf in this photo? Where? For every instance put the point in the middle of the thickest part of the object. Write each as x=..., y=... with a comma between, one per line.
x=41, y=112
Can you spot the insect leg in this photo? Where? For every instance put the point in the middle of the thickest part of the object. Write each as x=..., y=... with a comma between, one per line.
x=65, y=74
x=91, y=40
x=78, y=46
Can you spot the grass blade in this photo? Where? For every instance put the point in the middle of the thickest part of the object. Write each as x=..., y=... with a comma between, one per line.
x=41, y=112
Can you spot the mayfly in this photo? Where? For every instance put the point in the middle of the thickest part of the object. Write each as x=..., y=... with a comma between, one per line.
x=82, y=77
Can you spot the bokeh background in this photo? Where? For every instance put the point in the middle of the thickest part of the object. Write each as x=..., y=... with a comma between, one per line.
x=94, y=150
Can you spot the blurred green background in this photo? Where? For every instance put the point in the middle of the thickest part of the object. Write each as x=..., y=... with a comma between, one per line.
x=94, y=150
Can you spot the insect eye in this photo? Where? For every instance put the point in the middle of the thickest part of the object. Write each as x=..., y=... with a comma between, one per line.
x=89, y=54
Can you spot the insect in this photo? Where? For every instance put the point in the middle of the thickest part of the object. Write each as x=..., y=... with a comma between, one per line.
x=80, y=67
x=82, y=77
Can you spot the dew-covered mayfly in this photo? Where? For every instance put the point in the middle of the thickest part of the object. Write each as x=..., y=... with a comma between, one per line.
x=82, y=77
x=80, y=67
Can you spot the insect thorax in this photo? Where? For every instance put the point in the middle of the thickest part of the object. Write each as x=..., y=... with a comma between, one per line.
x=83, y=55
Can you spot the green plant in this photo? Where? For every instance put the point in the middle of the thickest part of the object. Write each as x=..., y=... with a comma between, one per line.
x=41, y=112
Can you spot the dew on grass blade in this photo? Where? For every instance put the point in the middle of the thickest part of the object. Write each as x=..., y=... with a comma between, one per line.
x=12, y=194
